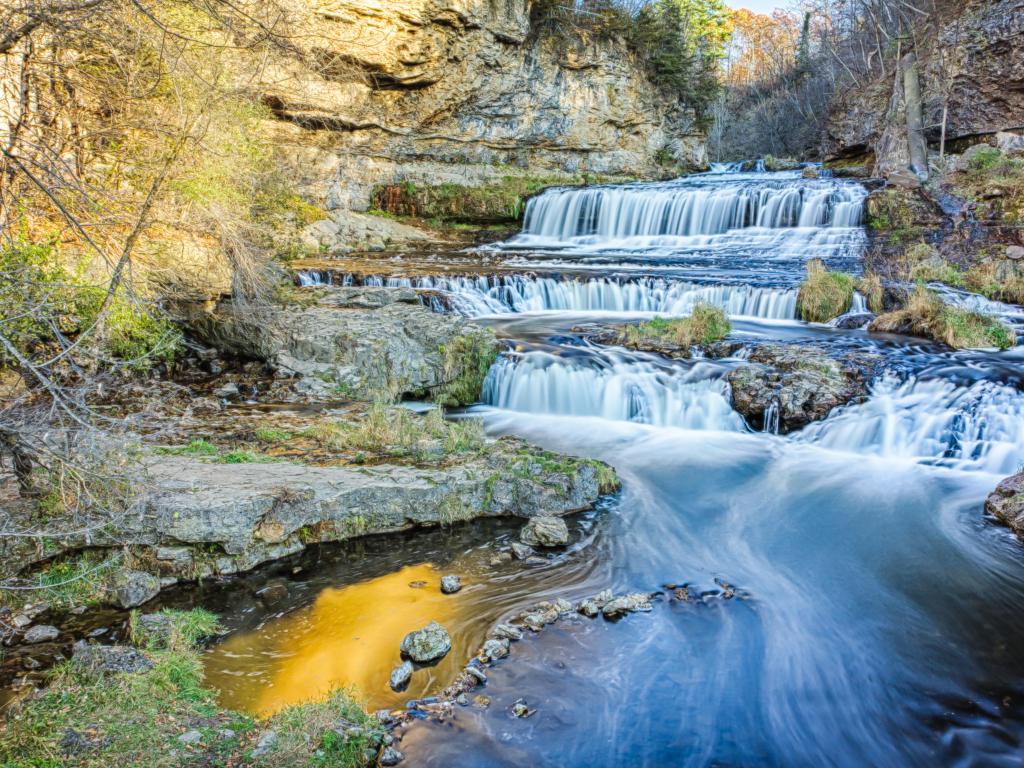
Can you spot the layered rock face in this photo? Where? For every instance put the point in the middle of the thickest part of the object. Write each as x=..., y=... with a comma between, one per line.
x=975, y=70
x=459, y=91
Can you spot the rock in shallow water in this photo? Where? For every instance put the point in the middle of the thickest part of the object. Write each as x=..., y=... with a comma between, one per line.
x=400, y=676
x=133, y=588
x=450, y=584
x=619, y=606
x=1006, y=503
x=545, y=531
x=41, y=633
x=428, y=644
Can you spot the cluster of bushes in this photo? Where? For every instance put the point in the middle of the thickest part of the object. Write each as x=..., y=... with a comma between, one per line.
x=680, y=42
x=707, y=323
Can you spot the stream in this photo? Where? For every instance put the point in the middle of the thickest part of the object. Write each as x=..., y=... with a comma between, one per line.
x=878, y=617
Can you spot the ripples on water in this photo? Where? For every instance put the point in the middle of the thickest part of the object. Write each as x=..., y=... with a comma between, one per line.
x=885, y=623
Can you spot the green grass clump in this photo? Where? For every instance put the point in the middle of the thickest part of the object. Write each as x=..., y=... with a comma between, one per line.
x=203, y=449
x=467, y=359
x=927, y=315
x=196, y=447
x=306, y=729
x=272, y=435
x=182, y=630
x=870, y=286
x=824, y=295
x=707, y=323
x=66, y=583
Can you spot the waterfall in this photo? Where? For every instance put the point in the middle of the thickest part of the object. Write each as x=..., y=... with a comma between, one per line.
x=488, y=295
x=978, y=427
x=617, y=387
x=687, y=208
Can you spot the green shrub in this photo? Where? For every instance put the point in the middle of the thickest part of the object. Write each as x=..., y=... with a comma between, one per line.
x=707, y=323
x=824, y=295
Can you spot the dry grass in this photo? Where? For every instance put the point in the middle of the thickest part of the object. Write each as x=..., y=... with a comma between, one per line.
x=824, y=295
x=928, y=316
x=870, y=286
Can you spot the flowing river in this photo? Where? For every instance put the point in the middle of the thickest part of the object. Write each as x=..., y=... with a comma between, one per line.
x=878, y=614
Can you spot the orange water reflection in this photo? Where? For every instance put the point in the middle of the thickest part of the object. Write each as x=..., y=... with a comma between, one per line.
x=349, y=637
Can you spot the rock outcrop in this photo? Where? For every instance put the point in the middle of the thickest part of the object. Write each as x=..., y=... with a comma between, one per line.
x=975, y=71
x=462, y=92
x=1006, y=503
x=361, y=343
x=205, y=518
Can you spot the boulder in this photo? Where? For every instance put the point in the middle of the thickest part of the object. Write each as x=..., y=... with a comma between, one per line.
x=1006, y=503
x=1014, y=252
x=428, y=644
x=496, y=648
x=1010, y=143
x=109, y=658
x=41, y=633
x=545, y=531
x=619, y=606
x=129, y=589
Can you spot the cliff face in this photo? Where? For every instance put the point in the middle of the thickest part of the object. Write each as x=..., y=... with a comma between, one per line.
x=459, y=91
x=975, y=70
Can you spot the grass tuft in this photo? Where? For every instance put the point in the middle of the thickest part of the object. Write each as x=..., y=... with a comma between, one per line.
x=707, y=323
x=824, y=295
x=928, y=316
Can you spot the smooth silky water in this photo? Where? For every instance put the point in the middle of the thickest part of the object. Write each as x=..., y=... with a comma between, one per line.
x=878, y=617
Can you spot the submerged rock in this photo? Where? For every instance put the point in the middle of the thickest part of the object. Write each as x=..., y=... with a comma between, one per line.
x=521, y=551
x=1006, y=503
x=428, y=644
x=545, y=531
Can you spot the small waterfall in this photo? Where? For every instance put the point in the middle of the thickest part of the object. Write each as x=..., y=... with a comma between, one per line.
x=689, y=207
x=979, y=427
x=734, y=167
x=771, y=418
x=488, y=295
x=612, y=387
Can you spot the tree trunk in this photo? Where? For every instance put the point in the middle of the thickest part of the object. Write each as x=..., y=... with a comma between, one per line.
x=915, y=130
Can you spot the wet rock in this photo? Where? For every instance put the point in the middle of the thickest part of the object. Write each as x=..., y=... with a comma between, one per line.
x=520, y=708
x=418, y=584
x=620, y=606
x=589, y=608
x=266, y=743
x=495, y=649
x=109, y=658
x=500, y=558
x=450, y=584
x=227, y=390
x=129, y=589
x=521, y=551
x=563, y=606
x=41, y=633
x=482, y=701
x=800, y=383
x=507, y=632
x=400, y=676
x=854, y=321
x=390, y=756
x=462, y=700
x=1006, y=503
x=190, y=738
x=478, y=674
x=428, y=644
x=384, y=717
x=545, y=531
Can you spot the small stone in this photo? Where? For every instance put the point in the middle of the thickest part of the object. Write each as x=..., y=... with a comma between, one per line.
x=400, y=676
x=1015, y=252
x=521, y=551
x=638, y=601
x=683, y=594
x=450, y=584
x=507, y=631
x=390, y=756
x=562, y=605
x=266, y=743
x=462, y=700
x=41, y=633
x=520, y=709
x=589, y=608
x=428, y=644
x=225, y=733
x=190, y=737
x=545, y=531
x=478, y=673
x=496, y=649
x=482, y=701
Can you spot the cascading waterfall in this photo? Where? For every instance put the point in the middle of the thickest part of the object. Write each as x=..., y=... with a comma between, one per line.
x=978, y=427
x=701, y=205
x=618, y=387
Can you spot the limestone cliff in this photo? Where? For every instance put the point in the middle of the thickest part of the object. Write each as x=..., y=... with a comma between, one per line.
x=459, y=91
x=974, y=71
